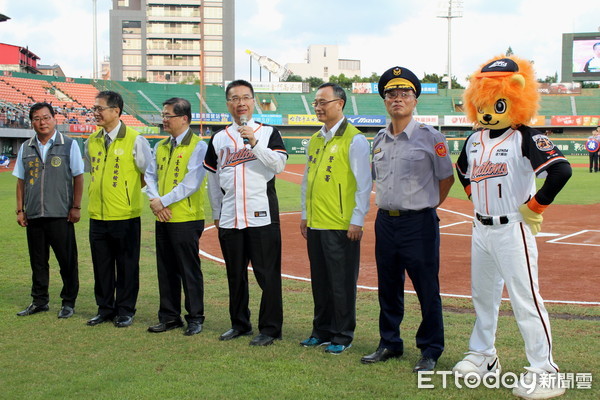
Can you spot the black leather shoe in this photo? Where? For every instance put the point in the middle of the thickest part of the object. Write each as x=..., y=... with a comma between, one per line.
x=123, y=321
x=66, y=312
x=193, y=328
x=234, y=333
x=33, y=309
x=263, y=340
x=165, y=326
x=99, y=319
x=381, y=354
x=424, y=364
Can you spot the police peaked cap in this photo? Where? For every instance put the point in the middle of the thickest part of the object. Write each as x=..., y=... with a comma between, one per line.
x=399, y=78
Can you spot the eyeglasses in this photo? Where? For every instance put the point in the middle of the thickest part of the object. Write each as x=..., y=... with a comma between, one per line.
x=393, y=94
x=322, y=103
x=45, y=118
x=243, y=99
x=168, y=117
x=100, y=108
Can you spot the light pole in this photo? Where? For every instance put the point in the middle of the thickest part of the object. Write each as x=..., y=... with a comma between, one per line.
x=95, y=46
x=453, y=9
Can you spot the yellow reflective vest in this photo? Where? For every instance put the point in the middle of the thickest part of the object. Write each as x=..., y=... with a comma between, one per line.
x=331, y=185
x=115, y=183
x=171, y=168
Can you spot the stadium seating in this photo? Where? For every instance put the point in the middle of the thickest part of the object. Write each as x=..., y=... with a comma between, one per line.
x=143, y=101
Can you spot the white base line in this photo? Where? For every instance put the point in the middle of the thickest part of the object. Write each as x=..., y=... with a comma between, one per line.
x=556, y=241
x=460, y=296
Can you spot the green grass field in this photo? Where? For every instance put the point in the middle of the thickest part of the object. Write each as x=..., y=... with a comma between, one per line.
x=42, y=357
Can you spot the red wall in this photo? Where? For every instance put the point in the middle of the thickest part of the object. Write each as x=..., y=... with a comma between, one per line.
x=9, y=54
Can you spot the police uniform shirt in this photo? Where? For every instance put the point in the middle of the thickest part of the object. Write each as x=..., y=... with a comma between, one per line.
x=75, y=162
x=408, y=167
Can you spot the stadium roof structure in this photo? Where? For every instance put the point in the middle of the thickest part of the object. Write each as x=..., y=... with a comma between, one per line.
x=3, y=18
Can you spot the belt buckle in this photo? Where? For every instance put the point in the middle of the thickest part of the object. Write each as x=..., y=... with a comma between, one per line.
x=394, y=213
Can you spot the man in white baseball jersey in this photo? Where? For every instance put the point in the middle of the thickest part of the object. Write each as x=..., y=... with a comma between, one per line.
x=497, y=167
x=243, y=160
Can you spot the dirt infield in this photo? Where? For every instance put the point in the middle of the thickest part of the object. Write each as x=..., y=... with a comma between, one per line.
x=569, y=266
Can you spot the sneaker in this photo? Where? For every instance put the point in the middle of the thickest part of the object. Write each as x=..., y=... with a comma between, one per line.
x=478, y=363
x=313, y=341
x=336, y=348
x=538, y=384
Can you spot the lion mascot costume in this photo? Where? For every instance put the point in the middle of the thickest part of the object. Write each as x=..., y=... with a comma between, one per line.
x=497, y=167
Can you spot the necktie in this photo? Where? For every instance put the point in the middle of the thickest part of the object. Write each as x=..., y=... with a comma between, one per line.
x=173, y=144
x=107, y=141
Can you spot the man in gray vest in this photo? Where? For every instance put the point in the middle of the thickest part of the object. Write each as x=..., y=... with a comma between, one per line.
x=49, y=169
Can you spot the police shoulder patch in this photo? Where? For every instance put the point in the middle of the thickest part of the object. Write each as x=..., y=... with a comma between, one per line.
x=440, y=149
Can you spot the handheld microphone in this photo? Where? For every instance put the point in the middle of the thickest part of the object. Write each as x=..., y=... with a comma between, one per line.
x=244, y=122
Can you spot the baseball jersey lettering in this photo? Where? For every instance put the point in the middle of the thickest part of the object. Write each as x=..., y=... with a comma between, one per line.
x=502, y=169
x=242, y=189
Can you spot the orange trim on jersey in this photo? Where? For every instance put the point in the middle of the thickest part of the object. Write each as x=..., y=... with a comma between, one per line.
x=536, y=207
x=244, y=188
x=468, y=190
x=548, y=163
x=231, y=137
x=487, y=209
x=208, y=167
x=489, y=157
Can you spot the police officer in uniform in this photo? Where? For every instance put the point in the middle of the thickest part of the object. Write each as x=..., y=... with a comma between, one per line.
x=413, y=174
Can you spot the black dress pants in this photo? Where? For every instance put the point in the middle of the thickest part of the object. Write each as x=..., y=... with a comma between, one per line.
x=262, y=247
x=115, y=249
x=409, y=244
x=334, y=265
x=58, y=233
x=178, y=263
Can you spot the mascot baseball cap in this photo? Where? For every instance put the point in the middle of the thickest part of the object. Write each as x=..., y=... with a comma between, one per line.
x=501, y=67
x=398, y=78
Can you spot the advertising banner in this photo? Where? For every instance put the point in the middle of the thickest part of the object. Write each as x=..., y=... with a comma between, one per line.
x=366, y=120
x=78, y=128
x=147, y=130
x=303, y=119
x=432, y=120
x=271, y=119
x=214, y=118
x=364, y=87
x=575, y=120
x=560, y=88
x=456, y=120
x=278, y=87
x=429, y=88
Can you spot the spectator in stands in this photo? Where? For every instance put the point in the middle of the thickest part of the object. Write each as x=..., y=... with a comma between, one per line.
x=3, y=122
x=116, y=157
x=49, y=170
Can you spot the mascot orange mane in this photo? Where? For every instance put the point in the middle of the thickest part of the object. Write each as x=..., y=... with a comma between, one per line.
x=502, y=93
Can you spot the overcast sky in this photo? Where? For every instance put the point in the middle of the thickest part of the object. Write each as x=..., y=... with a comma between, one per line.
x=406, y=33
